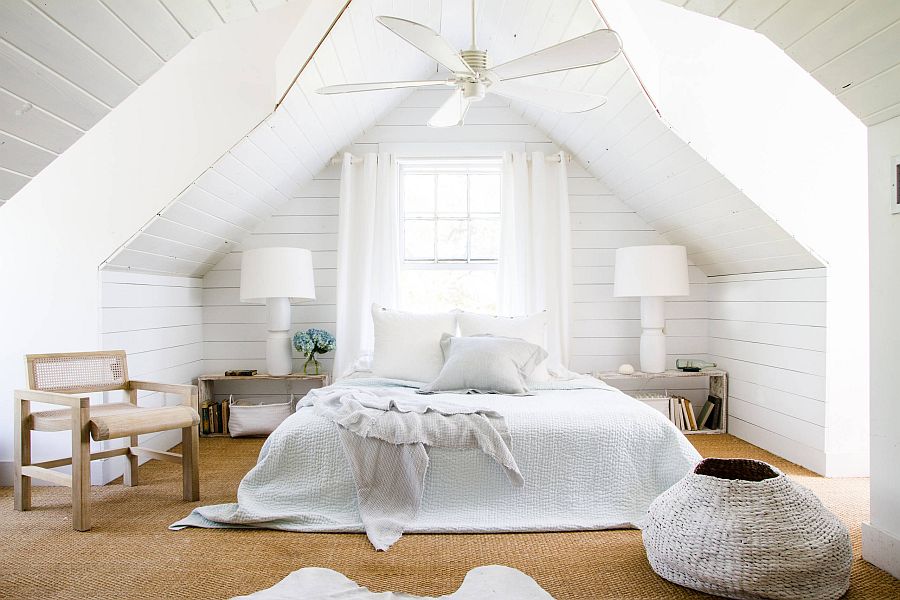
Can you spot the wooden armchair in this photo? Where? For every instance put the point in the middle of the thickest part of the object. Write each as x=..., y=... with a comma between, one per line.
x=51, y=379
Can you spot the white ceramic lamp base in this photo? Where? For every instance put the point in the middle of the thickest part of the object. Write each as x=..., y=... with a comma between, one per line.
x=653, y=339
x=278, y=342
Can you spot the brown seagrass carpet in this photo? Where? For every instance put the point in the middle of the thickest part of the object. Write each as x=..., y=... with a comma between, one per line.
x=130, y=553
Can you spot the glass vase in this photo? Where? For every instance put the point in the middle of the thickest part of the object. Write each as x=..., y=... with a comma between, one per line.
x=311, y=362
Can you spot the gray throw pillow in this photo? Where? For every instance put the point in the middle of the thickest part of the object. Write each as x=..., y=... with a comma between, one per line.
x=486, y=364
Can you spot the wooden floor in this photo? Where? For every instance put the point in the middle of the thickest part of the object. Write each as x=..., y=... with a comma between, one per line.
x=131, y=554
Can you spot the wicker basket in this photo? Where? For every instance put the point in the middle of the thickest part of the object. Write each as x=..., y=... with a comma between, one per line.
x=741, y=529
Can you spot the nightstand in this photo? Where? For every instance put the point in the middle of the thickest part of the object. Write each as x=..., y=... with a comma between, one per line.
x=718, y=386
x=279, y=387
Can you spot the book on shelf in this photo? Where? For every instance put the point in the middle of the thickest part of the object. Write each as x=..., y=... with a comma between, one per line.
x=677, y=412
x=705, y=413
x=204, y=417
x=689, y=411
x=225, y=410
x=685, y=425
x=715, y=420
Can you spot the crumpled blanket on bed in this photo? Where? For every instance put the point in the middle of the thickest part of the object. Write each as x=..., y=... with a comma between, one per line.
x=384, y=435
x=591, y=457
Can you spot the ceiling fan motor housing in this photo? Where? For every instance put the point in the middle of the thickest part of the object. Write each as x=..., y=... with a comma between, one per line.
x=476, y=59
x=474, y=89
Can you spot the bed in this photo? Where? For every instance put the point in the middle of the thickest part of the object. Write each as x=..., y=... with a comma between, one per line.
x=592, y=458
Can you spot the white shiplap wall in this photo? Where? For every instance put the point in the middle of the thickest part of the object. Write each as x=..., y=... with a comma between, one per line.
x=768, y=331
x=158, y=321
x=606, y=329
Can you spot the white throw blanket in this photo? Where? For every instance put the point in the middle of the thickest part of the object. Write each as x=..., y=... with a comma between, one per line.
x=384, y=435
x=591, y=457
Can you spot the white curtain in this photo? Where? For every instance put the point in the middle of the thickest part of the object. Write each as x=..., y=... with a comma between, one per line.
x=368, y=253
x=535, y=271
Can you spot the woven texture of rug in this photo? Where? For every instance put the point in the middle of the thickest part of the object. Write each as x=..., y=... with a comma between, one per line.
x=130, y=553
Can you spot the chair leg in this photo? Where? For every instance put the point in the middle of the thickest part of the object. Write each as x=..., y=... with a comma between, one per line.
x=81, y=469
x=22, y=451
x=190, y=462
x=131, y=465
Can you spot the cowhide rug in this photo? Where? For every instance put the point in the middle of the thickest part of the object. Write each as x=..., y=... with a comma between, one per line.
x=493, y=582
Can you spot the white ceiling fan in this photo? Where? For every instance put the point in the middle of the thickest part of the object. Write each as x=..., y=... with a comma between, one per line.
x=472, y=78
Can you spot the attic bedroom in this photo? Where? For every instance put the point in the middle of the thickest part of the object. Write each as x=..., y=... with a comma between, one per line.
x=461, y=299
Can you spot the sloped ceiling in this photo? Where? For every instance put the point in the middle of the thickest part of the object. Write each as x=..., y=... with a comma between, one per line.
x=64, y=64
x=672, y=187
x=625, y=143
x=283, y=153
x=852, y=47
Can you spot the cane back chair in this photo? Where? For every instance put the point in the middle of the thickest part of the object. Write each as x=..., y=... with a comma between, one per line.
x=60, y=379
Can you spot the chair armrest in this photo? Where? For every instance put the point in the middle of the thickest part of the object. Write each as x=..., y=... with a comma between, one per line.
x=52, y=398
x=187, y=392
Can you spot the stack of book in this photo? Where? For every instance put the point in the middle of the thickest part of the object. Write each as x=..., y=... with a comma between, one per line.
x=214, y=418
x=686, y=419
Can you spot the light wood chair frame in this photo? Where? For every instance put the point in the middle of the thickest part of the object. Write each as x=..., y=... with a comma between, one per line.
x=80, y=479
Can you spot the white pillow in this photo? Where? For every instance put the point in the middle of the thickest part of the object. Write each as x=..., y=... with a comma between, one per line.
x=486, y=364
x=408, y=345
x=531, y=328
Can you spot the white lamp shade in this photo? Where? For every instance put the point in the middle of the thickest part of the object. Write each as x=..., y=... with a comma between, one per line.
x=651, y=271
x=277, y=273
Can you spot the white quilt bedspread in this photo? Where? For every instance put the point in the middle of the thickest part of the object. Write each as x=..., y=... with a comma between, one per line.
x=591, y=457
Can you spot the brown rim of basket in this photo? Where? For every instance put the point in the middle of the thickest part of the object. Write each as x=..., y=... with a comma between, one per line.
x=743, y=469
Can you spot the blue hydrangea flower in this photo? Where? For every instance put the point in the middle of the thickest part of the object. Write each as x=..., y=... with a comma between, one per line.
x=314, y=341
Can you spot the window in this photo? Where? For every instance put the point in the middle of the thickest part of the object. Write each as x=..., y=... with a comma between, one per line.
x=450, y=234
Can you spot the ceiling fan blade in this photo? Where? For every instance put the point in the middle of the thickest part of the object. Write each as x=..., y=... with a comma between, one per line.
x=594, y=48
x=555, y=99
x=451, y=112
x=428, y=41
x=343, y=88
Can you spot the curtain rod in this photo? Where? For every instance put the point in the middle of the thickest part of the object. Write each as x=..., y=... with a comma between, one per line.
x=337, y=160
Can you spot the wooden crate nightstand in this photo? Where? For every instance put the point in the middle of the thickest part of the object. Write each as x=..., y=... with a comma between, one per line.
x=278, y=387
x=718, y=386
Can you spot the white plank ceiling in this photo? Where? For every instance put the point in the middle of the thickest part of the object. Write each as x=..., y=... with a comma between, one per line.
x=624, y=143
x=64, y=64
x=852, y=47
x=60, y=72
x=658, y=174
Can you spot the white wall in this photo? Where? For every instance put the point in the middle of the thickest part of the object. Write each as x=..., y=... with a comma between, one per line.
x=605, y=330
x=881, y=536
x=158, y=321
x=60, y=227
x=768, y=331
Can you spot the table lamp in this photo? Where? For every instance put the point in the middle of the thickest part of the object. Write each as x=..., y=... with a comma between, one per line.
x=652, y=272
x=276, y=277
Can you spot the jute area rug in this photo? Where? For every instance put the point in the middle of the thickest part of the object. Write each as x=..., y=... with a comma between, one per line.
x=130, y=553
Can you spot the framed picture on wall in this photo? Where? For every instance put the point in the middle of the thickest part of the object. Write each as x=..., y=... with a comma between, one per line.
x=895, y=184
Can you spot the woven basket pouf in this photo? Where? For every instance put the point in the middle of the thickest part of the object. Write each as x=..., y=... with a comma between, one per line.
x=741, y=529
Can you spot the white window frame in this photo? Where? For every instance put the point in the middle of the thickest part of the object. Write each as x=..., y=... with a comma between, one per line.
x=468, y=165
